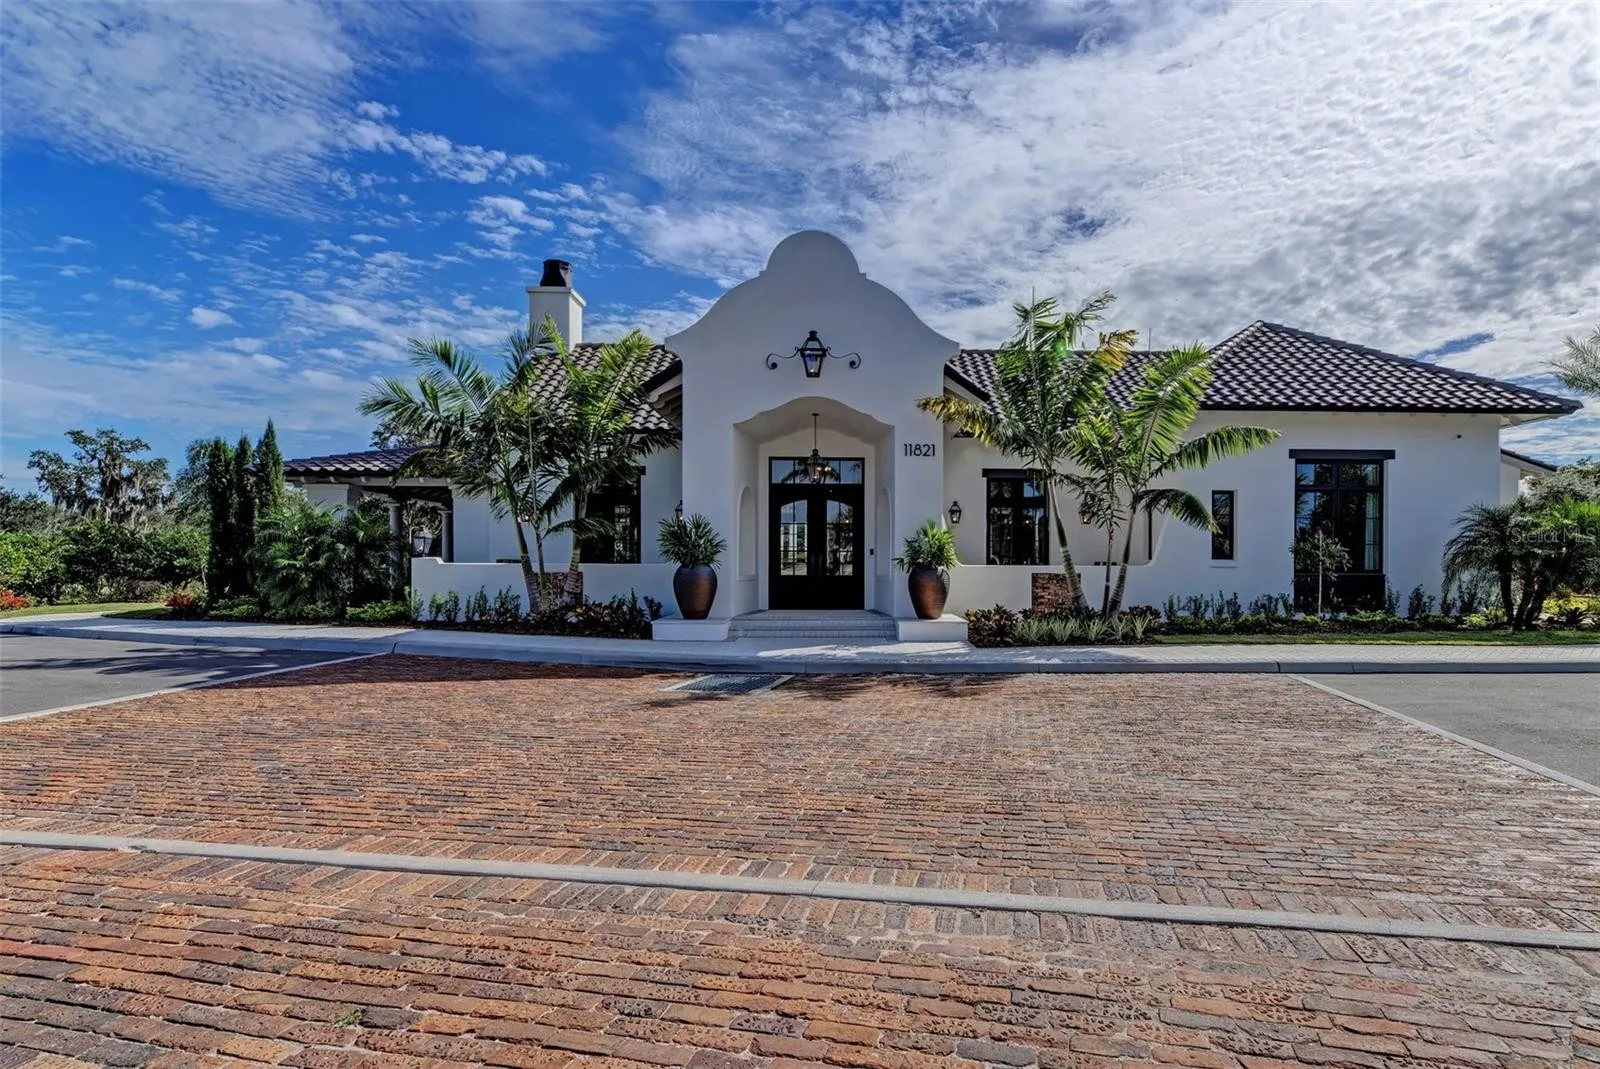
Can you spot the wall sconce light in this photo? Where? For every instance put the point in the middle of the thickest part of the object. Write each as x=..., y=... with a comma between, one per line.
x=420, y=541
x=955, y=512
x=812, y=353
x=677, y=513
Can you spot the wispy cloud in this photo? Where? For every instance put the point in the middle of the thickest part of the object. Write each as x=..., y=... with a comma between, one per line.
x=210, y=318
x=149, y=289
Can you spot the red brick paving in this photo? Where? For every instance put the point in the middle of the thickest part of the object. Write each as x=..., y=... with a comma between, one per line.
x=1221, y=790
x=1250, y=792
x=127, y=959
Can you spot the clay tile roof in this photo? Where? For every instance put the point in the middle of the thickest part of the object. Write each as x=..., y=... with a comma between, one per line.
x=1271, y=367
x=370, y=462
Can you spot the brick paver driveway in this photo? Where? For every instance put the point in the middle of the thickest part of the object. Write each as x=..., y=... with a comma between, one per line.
x=1247, y=792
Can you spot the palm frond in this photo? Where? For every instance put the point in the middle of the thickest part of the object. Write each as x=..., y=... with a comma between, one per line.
x=1177, y=503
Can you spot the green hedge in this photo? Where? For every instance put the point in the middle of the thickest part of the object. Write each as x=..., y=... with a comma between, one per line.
x=94, y=560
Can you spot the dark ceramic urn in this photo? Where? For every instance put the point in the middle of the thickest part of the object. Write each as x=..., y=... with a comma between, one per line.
x=695, y=589
x=928, y=588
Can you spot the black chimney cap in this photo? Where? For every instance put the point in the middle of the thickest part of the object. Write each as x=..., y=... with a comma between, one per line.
x=557, y=273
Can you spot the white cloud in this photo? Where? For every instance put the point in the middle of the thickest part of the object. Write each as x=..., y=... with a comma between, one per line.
x=193, y=230
x=501, y=220
x=63, y=243
x=1397, y=175
x=133, y=285
x=209, y=318
x=367, y=239
x=471, y=164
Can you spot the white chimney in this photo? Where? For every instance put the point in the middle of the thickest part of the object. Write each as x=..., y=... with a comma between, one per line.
x=555, y=297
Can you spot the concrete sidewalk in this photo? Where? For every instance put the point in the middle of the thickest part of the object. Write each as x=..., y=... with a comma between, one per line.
x=904, y=657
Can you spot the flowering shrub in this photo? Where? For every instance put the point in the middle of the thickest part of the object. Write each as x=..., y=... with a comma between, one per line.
x=9, y=601
x=184, y=606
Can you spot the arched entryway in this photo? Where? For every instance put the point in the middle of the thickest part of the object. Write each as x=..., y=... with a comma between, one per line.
x=820, y=468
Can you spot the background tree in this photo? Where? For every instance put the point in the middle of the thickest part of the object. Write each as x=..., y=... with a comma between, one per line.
x=1579, y=369
x=599, y=442
x=191, y=494
x=28, y=513
x=1044, y=386
x=104, y=479
x=487, y=432
x=1580, y=480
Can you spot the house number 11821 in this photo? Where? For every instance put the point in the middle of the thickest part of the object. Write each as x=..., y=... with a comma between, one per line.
x=919, y=449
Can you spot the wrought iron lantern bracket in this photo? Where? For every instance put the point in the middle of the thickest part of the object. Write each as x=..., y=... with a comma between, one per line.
x=813, y=354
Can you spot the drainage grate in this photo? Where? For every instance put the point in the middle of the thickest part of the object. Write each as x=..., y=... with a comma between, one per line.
x=729, y=684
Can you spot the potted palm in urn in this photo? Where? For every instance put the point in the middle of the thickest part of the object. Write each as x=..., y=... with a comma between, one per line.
x=927, y=557
x=694, y=546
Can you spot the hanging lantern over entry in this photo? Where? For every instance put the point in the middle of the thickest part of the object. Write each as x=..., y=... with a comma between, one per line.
x=816, y=467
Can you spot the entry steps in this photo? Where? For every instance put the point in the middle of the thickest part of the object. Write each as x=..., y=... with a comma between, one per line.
x=852, y=627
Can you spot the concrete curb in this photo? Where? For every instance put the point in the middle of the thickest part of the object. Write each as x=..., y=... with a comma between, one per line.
x=831, y=889
x=673, y=657
x=1481, y=747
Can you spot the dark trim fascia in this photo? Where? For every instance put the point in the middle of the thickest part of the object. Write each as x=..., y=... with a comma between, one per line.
x=1398, y=410
x=1527, y=461
x=1010, y=473
x=1341, y=454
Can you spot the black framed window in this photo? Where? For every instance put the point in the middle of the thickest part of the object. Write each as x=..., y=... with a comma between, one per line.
x=1018, y=523
x=619, y=505
x=1343, y=499
x=1222, y=512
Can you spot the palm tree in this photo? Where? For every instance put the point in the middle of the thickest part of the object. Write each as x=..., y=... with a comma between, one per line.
x=489, y=433
x=599, y=438
x=1045, y=385
x=1487, y=541
x=1580, y=369
x=1125, y=451
x=1564, y=550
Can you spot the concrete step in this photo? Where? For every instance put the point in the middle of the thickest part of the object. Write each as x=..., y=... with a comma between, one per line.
x=854, y=627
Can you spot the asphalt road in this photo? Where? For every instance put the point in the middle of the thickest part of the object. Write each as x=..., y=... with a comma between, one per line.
x=1552, y=719
x=38, y=673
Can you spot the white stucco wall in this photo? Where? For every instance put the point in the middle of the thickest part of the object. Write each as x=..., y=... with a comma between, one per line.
x=1442, y=465
x=482, y=536
x=811, y=282
x=601, y=582
x=331, y=495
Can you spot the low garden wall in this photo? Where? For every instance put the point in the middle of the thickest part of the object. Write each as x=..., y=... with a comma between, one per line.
x=601, y=582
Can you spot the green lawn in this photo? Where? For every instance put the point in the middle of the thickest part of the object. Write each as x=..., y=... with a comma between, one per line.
x=1443, y=638
x=121, y=608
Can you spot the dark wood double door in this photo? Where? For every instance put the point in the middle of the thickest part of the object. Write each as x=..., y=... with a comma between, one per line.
x=815, y=546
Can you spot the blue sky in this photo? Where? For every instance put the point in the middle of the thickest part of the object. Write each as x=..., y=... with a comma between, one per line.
x=213, y=213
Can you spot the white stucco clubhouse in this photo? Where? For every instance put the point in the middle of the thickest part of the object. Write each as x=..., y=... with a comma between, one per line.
x=1384, y=450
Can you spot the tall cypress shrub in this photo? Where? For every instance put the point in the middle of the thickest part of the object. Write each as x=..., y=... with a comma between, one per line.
x=219, y=503
x=243, y=534
x=269, y=473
